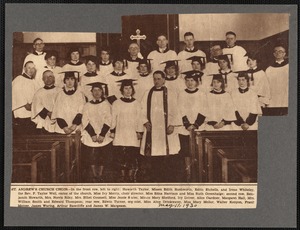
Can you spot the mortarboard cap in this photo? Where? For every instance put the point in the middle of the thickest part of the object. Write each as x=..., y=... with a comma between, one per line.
x=170, y=63
x=242, y=73
x=218, y=77
x=97, y=85
x=126, y=82
x=199, y=59
x=196, y=75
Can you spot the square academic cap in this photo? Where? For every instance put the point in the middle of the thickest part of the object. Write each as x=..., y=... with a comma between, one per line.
x=218, y=77
x=196, y=75
x=170, y=63
x=126, y=82
x=199, y=59
x=97, y=85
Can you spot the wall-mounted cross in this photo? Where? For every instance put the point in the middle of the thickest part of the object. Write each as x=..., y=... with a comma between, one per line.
x=138, y=37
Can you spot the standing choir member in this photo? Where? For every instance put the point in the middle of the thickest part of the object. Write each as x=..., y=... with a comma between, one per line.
x=68, y=105
x=96, y=122
x=221, y=111
x=160, y=140
x=105, y=64
x=23, y=90
x=212, y=66
x=43, y=102
x=192, y=104
x=144, y=79
x=246, y=104
x=227, y=74
x=278, y=76
x=161, y=54
x=132, y=61
x=127, y=130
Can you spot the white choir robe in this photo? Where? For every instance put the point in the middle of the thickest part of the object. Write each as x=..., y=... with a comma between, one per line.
x=158, y=58
x=23, y=90
x=204, y=84
x=114, y=86
x=158, y=132
x=59, y=77
x=67, y=107
x=190, y=105
x=44, y=98
x=175, y=85
x=126, y=122
x=260, y=85
x=232, y=82
x=105, y=69
x=79, y=67
x=239, y=59
x=86, y=89
x=131, y=68
x=279, y=85
x=246, y=103
x=144, y=83
x=220, y=106
x=186, y=65
x=96, y=115
x=211, y=68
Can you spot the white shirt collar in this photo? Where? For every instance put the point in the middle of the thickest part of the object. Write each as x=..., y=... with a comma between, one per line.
x=162, y=49
x=279, y=62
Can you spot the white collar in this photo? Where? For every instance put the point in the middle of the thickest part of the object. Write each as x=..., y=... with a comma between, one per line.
x=279, y=62
x=190, y=49
x=162, y=49
x=39, y=53
x=69, y=89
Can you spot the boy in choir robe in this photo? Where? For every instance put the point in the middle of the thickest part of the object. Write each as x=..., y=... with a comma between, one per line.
x=227, y=74
x=192, y=104
x=105, y=64
x=239, y=57
x=189, y=51
x=75, y=64
x=258, y=80
x=161, y=54
x=23, y=90
x=51, y=59
x=160, y=144
x=278, y=76
x=68, y=105
x=132, y=61
x=127, y=131
x=144, y=79
x=221, y=110
x=246, y=104
x=43, y=102
x=96, y=141
x=212, y=66
x=113, y=78
x=91, y=76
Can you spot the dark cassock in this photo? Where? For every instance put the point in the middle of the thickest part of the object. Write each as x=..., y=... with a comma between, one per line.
x=278, y=76
x=161, y=55
x=42, y=104
x=220, y=107
x=144, y=79
x=68, y=105
x=184, y=55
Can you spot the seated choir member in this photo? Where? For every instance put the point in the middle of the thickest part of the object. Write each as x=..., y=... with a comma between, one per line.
x=43, y=102
x=246, y=104
x=127, y=131
x=68, y=105
x=144, y=79
x=92, y=75
x=23, y=90
x=258, y=80
x=227, y=74
x=221, y=111
x=212, y=66
x=105, y=64
x=75, y=64
x=96, y=143
x=51, y=58
x=113, y=78
x=192, y=104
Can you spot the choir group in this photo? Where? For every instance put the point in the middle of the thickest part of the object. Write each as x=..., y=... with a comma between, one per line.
x=146, y=106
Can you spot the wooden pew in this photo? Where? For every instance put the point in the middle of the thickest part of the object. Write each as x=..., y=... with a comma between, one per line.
x=227, y=157
x=197, y=141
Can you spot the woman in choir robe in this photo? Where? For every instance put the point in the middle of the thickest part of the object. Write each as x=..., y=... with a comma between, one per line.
x=192, y=104
x=96, y=141
x=75, y=64
x=105, y=64
x=68, y=105
x=246, y=104
x=144, y=79
x=43, y=102
x=221, y=111
x=92, y=75
x=127, y=131
x=227, y=74
x=258, y=81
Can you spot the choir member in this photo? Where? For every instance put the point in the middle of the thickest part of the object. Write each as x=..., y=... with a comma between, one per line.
x=278, y=76
x=227, y=74
x=144, y=79
x=105, y=64
x=221, y=111
x=239, y=58
x=43, y=102
x=23, y=90
x=127, y=130
x=161, y=54
x=96, y=141
x=246, y=104
x=192, y=104
x=68, y=105
x=212, y=66
x=189, y=51
x=160, y=140
x=258, y=80
x=132, y=61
